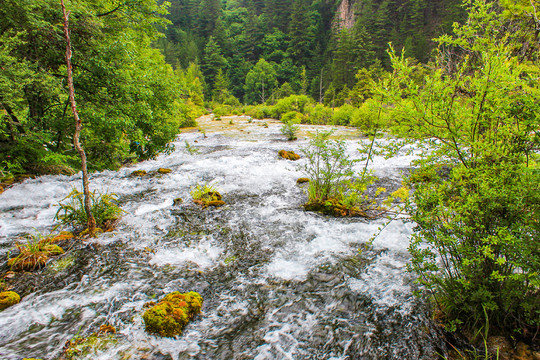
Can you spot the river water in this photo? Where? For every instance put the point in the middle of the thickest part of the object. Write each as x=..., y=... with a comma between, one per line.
x=277, y=282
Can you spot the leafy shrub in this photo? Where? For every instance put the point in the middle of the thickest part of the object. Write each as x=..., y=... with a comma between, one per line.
x=259, y=111
x=366, y=117
x=104, y=208
x=290, y=103
x=289, y=129
x=483, y=224
x=343, y=115
x=318, y=114
x=328, y=167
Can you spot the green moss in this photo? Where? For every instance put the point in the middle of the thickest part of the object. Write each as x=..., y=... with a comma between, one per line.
x=164, y=170
x=62, y=264
x=83, y=346
x=334, y=207
x=302, y=180
x=138, y=173
x=8, y=298
x=169, y=317
x=289, y=155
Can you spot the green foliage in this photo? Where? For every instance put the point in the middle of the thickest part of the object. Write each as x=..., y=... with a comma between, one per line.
x=295, y=103
x=475, y=246
x=289, y=128
x=328, y=167
x=318, y=114
x=343, y=115
x=125, y=92
x=482, y=223
x=260, y=81
x=104, y=208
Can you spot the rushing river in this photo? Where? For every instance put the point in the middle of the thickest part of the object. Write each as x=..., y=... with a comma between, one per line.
x=277, y=282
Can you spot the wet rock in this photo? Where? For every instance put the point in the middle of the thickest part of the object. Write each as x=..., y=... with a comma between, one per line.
x=289, y=155
x=335, y=207
x=169, y=316
x=500, y=345
x=209, y=198
x=8, y=298
x=1, y=189
x=163, y=170
x=302, y=180
x=79, y=347
x=177, y=201
x=138, y=173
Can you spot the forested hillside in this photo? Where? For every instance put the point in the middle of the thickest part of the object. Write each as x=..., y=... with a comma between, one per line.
x=128, y=98
x=301, y=40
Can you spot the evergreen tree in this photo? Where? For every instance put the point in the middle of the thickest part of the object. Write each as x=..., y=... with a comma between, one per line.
x=302, y=32
x=213, y=61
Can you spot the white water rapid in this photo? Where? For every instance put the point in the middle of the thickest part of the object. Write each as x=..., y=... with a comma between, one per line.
x=277, y=282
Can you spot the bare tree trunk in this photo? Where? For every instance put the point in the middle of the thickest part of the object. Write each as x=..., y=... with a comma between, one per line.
x=78, y=127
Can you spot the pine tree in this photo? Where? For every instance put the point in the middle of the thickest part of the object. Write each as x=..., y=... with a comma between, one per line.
x=302, y=33
x=213, y=61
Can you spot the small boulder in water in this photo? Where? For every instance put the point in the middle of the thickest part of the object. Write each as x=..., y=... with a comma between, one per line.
x=169, y=316
x=163, y=170
x=302, y=180
x=177, y=201
x=289, y=155
x=138, y=173
x=8, y=298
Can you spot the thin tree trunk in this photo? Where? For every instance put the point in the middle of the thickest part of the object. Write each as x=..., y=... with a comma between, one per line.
x=78, y=127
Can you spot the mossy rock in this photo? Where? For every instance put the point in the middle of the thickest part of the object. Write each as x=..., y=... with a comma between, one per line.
x=169, y=316
x=1, y=189
x=138, y=173
x=289, y=155
x=210, y=198
x=163, y=170
x=91, y=345
x=178, y=201
x=334, y=207
x=8, y=298
x=302, y=180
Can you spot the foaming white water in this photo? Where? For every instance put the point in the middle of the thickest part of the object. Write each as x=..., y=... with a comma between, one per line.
x=266, y=268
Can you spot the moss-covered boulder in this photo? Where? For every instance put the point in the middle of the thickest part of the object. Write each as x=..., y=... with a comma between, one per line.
x=8, y=298
x=335, y=207
x=302, y=180
x=163, y=170
x=209, y=198
x=138, y=173
x=169, y=316
x=289, y=155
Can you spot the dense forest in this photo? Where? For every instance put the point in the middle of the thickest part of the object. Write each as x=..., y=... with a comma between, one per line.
x=314, y=47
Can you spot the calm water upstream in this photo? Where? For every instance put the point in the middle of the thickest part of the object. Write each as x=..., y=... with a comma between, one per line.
x=277, y=282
